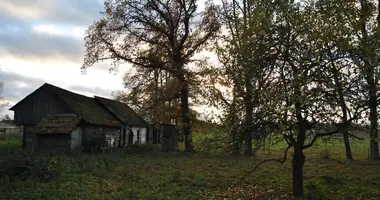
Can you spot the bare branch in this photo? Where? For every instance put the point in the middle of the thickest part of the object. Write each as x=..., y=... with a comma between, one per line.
x=281, y=160
x=318, y=135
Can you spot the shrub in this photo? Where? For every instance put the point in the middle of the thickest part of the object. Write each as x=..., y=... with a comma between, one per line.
x=95, y=145
x=314, y=191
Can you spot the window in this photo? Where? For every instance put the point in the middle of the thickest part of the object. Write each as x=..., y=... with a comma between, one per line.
x=138, y=137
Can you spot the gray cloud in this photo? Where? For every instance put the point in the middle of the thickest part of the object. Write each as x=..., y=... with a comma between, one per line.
x=18, y=87
x=96, y=91
x=17, y=17
x=69, y=12
x=25, y=43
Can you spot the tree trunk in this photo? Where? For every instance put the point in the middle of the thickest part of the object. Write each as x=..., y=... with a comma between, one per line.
x=298, y=156
x=234, y=131
x=185, y=112
x=369, y=69
x=235, y=142
x=346, y=140
x=374, y=147
x=249, y=114
x=297, y=165
x=343, y=106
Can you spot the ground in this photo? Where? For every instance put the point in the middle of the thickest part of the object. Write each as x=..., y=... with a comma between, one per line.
x=143, y=173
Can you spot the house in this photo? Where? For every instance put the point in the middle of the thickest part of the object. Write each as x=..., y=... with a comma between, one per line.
x=53, y=118
x=6, y=129
x=129, y=118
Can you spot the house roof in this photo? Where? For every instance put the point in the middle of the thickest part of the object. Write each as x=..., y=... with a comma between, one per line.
x=57, y=124
x=86, y=107
x=98, y=110
x=123, y=112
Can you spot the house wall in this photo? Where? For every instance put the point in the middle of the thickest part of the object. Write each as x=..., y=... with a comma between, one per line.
x=91, y=133
x=38, y=105
x=112, y=136
x=30, y=141
x=76, y=140
x=96, y=132
x=53, y=142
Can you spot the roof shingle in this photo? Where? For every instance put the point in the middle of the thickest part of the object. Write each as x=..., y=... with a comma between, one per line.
x=57, y=124
x=86, y=107
x=122, y=111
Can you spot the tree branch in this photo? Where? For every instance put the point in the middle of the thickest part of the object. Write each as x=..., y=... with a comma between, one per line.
x=318, y=135
x=282, y=161
x=356, y=137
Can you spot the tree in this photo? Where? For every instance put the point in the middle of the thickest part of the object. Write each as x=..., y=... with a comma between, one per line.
x=7, y=119
x=366, y=56
x=153, y=94
x=341, y=80
x=154, y=34
x=3, y=103
x=300, y=106
x=247, y=57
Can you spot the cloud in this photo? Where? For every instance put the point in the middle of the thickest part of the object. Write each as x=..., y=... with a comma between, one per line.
x=72, y=12
x=18, y=86
x=46, y=29
x=29, y=43
x=96, y=91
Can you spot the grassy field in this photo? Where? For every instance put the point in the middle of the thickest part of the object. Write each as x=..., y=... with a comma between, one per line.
x=144, y=173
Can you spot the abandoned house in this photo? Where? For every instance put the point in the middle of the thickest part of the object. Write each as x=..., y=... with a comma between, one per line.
x=132, y=122
x=52, y=118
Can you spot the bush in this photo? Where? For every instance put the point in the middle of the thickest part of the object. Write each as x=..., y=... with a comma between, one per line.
x=38, y=168
x=95, y=145
x=314, y=191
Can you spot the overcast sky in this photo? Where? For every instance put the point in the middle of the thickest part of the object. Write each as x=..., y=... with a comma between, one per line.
x=42, y=41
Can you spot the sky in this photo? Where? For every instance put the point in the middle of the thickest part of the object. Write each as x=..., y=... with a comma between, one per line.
x=41, y=41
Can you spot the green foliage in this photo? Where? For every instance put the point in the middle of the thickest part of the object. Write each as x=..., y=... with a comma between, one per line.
x=95, y=145
x=134, y=174
x=176, y=175
x=314, y=191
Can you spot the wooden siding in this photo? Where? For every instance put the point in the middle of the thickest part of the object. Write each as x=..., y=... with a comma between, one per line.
x=30, y=141
x=36, y=106
x=54, y=142
x=112, y=136
x=95, y=132
x=92, y=132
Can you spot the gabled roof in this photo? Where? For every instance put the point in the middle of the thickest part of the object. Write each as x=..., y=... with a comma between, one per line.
x=85, y=107
x=123, y=112
x=57, y=124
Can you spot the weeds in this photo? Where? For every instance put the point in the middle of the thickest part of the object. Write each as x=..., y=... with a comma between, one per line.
x=314, y=191
x=142, y=172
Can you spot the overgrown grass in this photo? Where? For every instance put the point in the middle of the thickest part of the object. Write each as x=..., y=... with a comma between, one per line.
x=143, y=173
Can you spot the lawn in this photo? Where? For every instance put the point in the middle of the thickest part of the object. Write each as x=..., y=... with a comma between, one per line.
x=144, y=173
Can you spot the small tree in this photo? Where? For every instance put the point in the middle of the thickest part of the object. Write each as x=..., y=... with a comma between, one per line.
x=7, y=119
